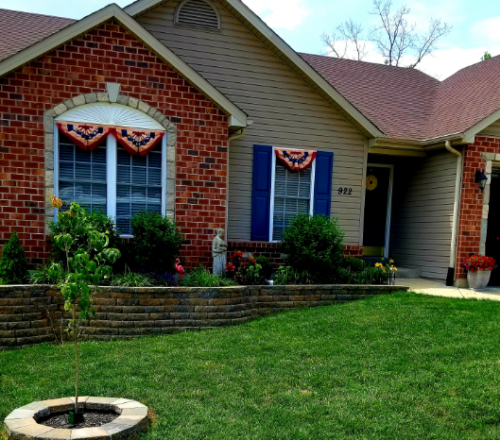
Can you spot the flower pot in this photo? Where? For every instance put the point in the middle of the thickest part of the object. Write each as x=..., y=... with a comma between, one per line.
x=478, y=280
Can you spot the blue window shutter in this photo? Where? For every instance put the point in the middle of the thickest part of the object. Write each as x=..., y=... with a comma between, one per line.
x=261, y=194
x=323, y=183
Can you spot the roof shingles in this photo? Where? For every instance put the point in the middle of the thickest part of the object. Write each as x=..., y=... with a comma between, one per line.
x=403, y=103
x=19, y=30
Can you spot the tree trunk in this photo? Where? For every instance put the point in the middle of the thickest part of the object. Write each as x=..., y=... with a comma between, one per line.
x=77, y=365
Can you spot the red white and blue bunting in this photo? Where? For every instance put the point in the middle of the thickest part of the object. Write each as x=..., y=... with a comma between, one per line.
x=86, y=136
x=296, y=160
x=138, y=142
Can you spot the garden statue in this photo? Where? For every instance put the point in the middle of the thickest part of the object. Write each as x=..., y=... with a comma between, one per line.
x=219, y=249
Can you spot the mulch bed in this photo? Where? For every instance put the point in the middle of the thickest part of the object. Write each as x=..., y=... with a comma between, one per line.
x=92, y=419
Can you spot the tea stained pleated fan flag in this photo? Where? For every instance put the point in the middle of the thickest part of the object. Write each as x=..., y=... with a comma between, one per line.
x=138, y=142
x=295, y=160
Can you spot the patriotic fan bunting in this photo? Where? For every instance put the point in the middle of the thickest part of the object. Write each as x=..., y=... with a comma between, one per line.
x=138, y=142
x=296, y=160
x=88, y=136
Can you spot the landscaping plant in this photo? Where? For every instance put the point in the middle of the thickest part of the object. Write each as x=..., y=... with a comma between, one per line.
x=202, y=277
x=157, y=242
x=314, y=244
x=246, y=271
x=477, y=263
x=88, y=260
x=97, y=221
x=287, y=275
x=13, y=265
x=267, y=267
x=51, y=273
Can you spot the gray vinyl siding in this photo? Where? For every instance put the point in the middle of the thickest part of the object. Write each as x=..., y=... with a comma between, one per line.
x=492, y=130
x=422, y=213
x=284, y=110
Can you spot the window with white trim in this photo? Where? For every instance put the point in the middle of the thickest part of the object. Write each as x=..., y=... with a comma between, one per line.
x=292, y=194
x=138, y=186
x=82, y=175
x=109, y=179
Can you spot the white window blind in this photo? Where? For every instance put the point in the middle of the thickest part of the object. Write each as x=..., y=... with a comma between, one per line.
x=82, y=175
x=138, y=186
x=292, y=195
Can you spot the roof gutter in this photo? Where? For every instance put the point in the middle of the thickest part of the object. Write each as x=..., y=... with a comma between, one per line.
x=450, y=278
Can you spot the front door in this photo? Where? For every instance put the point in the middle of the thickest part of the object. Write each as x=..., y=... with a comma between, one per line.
x=377, y=211
x=493, y=237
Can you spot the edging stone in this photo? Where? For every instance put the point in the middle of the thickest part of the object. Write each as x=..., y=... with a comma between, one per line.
x=132, y=418
x=31, y=314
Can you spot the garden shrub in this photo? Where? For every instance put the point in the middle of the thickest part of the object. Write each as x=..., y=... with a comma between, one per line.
x=246, y=271
x=201, y=277
x=354, y=264
x=267, y=267
x=288, y=276
x=157, y=242
x=13, y=265
x=51, y=273
x=96, y=221
x=314, y=244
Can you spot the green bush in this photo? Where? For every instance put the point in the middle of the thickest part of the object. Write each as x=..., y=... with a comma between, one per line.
x=13, y=265
x=50, y=273
x=157, y=242
x=314, y=244
x=354, y=264
x=132, y=279
x=201, y=277
x=96, y=221
x=288, y=276
x=267, y=267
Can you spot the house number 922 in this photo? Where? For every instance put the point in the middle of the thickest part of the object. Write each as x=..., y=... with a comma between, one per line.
x=345, y=191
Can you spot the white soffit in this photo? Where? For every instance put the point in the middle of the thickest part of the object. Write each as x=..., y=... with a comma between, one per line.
x=110, y=114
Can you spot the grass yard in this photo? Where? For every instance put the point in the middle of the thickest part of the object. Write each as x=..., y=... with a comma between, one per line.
x=403, y=366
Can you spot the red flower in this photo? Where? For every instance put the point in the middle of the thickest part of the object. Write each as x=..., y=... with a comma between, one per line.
x=476, y=263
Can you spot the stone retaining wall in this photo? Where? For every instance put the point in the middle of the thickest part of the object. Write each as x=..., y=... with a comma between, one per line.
x=30, y=314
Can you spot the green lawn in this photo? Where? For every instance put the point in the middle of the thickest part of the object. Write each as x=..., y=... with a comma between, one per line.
x=402, y=366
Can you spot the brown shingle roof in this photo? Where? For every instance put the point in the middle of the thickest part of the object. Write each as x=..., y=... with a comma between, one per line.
x=19, y=30
x=397, y=100
x=466, y=98
x=401, y=102
x=407, y=103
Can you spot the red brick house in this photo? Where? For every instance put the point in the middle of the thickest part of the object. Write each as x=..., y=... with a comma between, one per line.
x=196, y=109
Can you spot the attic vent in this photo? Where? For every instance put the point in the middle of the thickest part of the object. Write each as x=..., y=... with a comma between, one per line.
x=198, y=14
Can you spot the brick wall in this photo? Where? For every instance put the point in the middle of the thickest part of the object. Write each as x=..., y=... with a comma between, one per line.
x=109, y=54
x=26, y=312
x=269, y=250
x=472, y=200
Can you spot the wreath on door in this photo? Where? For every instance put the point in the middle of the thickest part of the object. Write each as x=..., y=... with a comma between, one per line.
x=371, y=182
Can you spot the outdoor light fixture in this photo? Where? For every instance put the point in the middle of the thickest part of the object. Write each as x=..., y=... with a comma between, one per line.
x=481, y=179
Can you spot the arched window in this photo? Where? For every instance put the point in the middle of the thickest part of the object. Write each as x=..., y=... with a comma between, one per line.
x=113, y=159
x=197, y=14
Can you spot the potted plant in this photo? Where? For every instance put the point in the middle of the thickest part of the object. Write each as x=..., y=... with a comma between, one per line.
x=479, y=269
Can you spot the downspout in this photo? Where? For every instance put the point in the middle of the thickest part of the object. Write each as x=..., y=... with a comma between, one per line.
x=450, y=278
x=233, y=137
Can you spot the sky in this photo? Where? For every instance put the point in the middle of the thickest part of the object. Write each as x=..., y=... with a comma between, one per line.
x=476, y=24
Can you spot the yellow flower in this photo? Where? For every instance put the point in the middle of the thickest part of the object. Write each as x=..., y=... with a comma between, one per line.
x=56, y=203
x=391, y=261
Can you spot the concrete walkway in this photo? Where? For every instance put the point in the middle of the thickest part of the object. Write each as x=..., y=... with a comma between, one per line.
x=438, y=288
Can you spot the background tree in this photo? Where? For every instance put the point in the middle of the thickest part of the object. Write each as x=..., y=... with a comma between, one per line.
x=347, y=36
x=395, y=37
x=486, y=56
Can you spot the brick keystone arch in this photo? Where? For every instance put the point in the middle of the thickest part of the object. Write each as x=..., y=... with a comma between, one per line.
x=48, y=124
